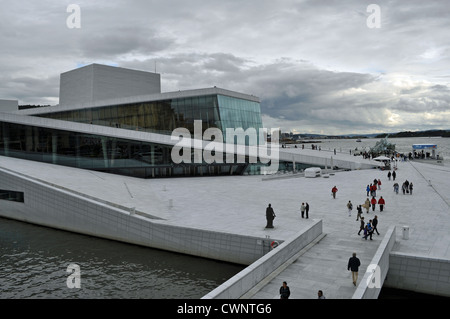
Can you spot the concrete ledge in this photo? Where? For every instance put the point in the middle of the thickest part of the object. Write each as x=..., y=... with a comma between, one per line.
x=371, y=283
x=245, y=280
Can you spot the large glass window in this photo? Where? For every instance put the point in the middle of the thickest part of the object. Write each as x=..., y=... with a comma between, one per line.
x=101, y=153
x=164, y=116
x=11, y=196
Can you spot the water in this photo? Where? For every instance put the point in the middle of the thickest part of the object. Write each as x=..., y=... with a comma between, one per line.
x=34, y=259
x=34, y=262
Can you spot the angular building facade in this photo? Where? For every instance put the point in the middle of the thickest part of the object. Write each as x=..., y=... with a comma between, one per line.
x=125, y=131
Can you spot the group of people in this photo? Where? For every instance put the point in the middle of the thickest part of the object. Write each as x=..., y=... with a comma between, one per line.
x=407, y=187
x=270, y=214
x=369, y=228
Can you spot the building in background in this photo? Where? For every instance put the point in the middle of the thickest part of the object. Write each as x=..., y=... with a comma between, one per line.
x=117, y=120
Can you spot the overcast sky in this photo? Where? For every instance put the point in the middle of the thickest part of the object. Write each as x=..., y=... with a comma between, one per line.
x=316, y=65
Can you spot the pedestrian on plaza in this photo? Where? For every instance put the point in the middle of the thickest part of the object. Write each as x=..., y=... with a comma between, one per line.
x=394, y=174
x=270, y=216
x=307, y=210
x=410, y=188
x=374, y=224
x=396, y=187
x=404, y=188
x=302, y=208
x=334, y=191
x=320, y=295
x=285, y=292
x=358, y=215
x=381, y=202
x=368, y=190
x=350, y=207
x=368, y=231
x=389, y=175
x=367, y=205
x=373, y=201
x=379, y=184
x=353, y=265
x=361, y=226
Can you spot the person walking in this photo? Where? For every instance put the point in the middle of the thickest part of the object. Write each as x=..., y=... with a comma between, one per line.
x=368, y=190
x=381, y=202
x=358, y=215
x=302, y=209
x=374, y=224
x=368, y=231
x=373, y=202
x=285, y=292
x=307, y=210
x=361, y=226
x=367, y=205
x=350, y=207
x=379, y=184
x=334, y=191
x=389, y=175
x=270, y=216
x=410, y=188
x=396, y=187
x=353, y=265
x=394, y=175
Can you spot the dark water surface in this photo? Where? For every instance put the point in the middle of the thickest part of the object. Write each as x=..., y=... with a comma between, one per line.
x=34, y=262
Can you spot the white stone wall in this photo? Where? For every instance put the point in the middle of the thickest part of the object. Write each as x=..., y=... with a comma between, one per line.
x=87, y=85
x=51, y=206
x=374, y=277
x=419, y=273
x=248, y=278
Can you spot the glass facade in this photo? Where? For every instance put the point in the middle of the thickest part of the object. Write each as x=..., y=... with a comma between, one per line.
x=106, y=154
x=129, y=157
x=215, y=111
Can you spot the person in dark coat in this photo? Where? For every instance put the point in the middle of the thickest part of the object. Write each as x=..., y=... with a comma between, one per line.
x=374, y=224
x=307, y=210
x=353, y=265
x=270, y=216
x=362, y=225
x=285, y=292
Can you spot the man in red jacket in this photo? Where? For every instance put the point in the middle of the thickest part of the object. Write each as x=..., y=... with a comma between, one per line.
x=373, y=202
x=381, y=202
x=334, y=191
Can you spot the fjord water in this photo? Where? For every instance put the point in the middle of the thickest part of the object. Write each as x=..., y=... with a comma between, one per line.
x=34, y=262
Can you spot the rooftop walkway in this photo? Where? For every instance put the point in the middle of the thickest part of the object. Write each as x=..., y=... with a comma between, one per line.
x=236, y=204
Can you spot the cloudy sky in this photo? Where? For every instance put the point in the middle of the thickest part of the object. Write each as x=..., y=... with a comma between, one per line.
x=318, y=66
